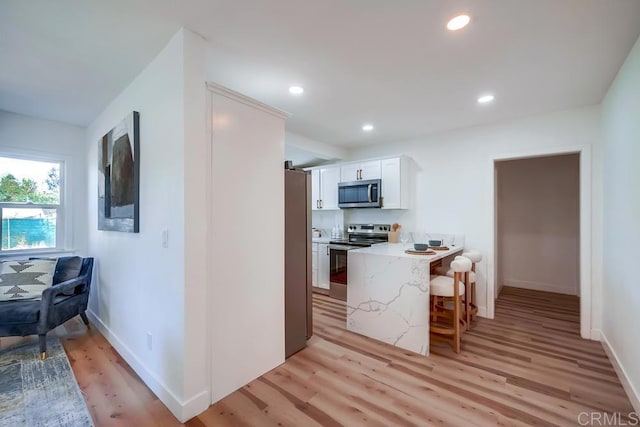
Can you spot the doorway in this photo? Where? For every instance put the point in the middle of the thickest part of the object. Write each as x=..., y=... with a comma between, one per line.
x=546, y=244
x=538, y=224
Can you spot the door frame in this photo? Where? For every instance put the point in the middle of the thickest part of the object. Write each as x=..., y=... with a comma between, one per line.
x=585, y=279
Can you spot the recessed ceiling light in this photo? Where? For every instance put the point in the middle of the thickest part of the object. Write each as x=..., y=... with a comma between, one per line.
x=458, y=22
x=485, y=99
x=296, y=90
x=367, y=127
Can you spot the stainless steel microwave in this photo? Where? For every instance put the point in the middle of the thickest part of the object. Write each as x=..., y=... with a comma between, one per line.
x=360, y=194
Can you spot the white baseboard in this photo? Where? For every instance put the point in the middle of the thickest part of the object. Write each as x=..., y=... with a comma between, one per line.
x=183, y=411
x=539, y=286
x=631, y=391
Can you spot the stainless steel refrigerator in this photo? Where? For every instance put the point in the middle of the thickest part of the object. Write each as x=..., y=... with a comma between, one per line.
x=297, y=260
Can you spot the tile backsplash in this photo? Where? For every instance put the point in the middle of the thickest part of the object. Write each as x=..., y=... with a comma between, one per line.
x=325, y=221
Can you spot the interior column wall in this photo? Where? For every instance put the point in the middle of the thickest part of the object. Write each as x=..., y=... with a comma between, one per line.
x=539, y=223
x=246, y=276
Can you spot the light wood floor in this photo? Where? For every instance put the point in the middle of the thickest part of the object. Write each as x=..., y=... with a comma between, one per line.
x=527, y=367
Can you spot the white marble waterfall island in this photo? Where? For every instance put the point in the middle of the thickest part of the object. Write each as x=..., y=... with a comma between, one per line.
x=388, y=294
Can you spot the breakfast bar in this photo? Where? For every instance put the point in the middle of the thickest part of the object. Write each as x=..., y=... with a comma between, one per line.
x=388, y=294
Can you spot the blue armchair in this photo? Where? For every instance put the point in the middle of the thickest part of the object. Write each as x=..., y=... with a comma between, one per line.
x=66, y=298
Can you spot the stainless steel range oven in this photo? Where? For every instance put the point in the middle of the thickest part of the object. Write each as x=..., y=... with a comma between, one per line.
x=358, y=236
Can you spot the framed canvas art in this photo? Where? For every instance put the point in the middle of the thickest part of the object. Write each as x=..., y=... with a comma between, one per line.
x=119, y=176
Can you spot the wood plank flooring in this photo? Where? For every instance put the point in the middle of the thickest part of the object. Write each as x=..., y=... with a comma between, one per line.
x=527, y=367
x=114, y=393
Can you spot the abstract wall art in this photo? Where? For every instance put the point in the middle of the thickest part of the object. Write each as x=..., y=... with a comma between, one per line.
x=119, y=176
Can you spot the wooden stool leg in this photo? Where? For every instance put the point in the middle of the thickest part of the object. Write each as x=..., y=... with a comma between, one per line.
x=473, y=300
x=467, y=300
x=434, y=315
x=456, y=314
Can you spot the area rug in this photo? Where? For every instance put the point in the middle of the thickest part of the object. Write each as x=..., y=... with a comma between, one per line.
x=39, y=393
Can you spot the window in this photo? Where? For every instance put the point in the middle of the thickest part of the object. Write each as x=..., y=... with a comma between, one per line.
x=30, y=204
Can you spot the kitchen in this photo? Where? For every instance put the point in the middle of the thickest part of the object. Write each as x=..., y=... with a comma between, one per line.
x=339, y=255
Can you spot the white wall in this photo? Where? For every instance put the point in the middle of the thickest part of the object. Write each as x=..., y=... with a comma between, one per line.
x=455, y=179
x=539, y=223
x=43, y=138
x=314, y=148
x=621, y=293
x=140, y=287
x=196, y=155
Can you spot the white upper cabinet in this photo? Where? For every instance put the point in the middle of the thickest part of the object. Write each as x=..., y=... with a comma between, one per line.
x=394, y=173
x=315, y=189
x=395, y=183
x=329, y=178
x=359, y=171
x=350, y=172
x=324, y=188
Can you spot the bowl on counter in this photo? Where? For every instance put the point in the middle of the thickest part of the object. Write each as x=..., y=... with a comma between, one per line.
x=420, y=246
x=435, y=243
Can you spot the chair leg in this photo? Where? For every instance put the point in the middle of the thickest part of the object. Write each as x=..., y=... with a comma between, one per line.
x=467, y=300
x=84, y=318
x=42, y=340
x=457, y=316
x=456, y=325
x=473, y=300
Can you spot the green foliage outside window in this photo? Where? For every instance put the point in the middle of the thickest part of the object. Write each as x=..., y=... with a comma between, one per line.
x=26, y=190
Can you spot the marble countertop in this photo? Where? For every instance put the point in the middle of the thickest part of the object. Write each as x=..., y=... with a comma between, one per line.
x=398, y=250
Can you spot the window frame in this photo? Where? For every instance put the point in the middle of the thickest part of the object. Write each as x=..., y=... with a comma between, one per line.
x=63, y=215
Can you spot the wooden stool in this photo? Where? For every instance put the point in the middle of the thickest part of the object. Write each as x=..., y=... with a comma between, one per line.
x=470, y=302
x=445, y=289
x=474, y=257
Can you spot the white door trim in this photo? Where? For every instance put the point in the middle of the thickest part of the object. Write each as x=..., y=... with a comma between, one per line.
x=585, y=230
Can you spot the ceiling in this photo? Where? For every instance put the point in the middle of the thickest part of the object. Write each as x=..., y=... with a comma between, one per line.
x=390, y=63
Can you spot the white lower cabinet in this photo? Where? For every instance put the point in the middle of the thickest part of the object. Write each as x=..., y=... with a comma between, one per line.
x=314, y=264
x=323, y=266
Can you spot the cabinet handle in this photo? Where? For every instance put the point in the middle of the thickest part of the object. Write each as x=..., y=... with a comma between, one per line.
x=327, y=250
x=359, y=173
